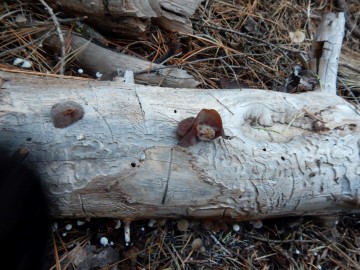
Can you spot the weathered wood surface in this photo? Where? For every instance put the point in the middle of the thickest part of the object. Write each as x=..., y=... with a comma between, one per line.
x=286, y=155
x=326, y=50
x=94, y=59
x=132, y=18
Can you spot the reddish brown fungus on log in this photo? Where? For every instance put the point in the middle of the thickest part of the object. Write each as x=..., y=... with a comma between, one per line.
x=206, y=126
x=184, y=126
x=66, y=113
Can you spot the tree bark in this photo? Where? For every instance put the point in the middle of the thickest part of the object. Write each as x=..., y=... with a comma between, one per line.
x=285, y=155
x=132, y=18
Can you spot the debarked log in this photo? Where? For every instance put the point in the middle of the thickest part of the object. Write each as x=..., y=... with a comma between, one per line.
x=283, y=154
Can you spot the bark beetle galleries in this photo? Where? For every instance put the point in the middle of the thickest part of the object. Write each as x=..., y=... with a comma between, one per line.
x=206, y=126
x=66, y=113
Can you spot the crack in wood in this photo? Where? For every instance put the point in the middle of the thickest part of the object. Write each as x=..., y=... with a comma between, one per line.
x=82, y=205
x=257, y=206
x=142, y=110
x=168, y=177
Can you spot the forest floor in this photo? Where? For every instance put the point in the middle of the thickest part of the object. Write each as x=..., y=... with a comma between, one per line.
x=228, y=60
x=286, y=243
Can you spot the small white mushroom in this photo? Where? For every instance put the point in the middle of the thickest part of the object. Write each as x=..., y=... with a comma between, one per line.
x=117, y=224
x=151, y=223
x=257, y=224
x=17, y=61
x=236, y=227
x=182, y=225
x=20, y=18
x=297, y=36
x=104, y=241
x=80, y=222
x=98, y=75
x=26, y=64
x=196, y=244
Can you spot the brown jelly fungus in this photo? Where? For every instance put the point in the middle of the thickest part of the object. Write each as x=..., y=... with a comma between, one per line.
x=64, y=114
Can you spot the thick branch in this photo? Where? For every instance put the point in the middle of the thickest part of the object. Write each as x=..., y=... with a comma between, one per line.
x=96, y=59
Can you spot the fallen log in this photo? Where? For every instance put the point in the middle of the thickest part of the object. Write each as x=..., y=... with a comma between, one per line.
x=132, y=18
x=283, y=155
x=112, y=151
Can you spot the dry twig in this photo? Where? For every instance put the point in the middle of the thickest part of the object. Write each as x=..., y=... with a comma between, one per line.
x=60, y=35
